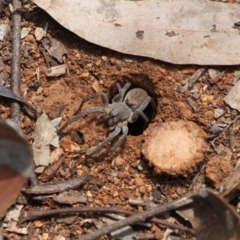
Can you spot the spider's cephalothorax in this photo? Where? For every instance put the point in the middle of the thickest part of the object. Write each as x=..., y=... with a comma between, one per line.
x=125, y=108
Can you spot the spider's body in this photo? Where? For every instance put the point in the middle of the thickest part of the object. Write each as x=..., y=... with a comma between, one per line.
x=125, y=108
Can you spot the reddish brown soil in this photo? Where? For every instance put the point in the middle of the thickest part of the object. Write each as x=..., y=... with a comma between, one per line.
x=125, y=174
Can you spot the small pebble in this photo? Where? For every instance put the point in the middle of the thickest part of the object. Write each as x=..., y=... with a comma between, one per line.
x=84, y=75
x=218, y=112
x=139, y=181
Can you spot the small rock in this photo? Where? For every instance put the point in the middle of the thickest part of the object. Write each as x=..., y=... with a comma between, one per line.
x=39, y=169
x=139, y=181
x=196, y=95
x=213, y=72
x=175, y=148
x=84, y=75
x=96, y=86
x=38, y=224
x=71, y=147
x=45, y=236
x=39, y=91
x=218, y=112
x=104, y=58
x=39, y=33
x=89, y=194
x=116, y=181
x=114, y=174
x=115, y=194
x=24, y=32
x=118, y=161
x=98, y=63
x=56, y=154
x=4, y=31
x=60, y=237
x=127, y=59
x=56, y=71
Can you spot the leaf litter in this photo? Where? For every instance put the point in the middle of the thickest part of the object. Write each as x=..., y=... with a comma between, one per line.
x=172, y=31
x=108, y=67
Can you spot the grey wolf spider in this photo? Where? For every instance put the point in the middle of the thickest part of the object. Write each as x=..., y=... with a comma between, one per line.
x=125, y=108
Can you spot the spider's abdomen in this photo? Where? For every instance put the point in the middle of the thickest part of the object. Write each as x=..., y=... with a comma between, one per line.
x=135, y=97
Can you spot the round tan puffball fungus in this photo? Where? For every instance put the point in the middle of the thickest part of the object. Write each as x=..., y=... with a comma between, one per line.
x=175, y=148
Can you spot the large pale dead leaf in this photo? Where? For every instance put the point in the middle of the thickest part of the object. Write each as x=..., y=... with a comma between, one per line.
x=177, y=31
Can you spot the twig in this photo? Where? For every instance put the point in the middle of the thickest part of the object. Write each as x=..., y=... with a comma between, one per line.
x=16, y=51
x=1, y=7
x=37, y=214
x=138, y=217
x=144, y=236
x=195, y=77
x=225, y=129
x=196, y=177
x=232, y=138
x=49, y=188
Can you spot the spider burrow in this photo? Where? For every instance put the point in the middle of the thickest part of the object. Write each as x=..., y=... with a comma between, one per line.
x=125, y=108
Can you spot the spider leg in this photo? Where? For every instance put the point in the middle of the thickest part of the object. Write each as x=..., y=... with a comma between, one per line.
x=103, y=97
x=145, y=104
x=103, y=117
x=102, y=144
x=120, y=140
x=121, y=92
x=139, y=111
x=80, y=115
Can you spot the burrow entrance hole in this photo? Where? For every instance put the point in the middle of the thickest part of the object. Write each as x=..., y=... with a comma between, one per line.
x=137, y=128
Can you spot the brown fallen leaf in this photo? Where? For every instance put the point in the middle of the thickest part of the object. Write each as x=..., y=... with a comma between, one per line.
x=50, y=171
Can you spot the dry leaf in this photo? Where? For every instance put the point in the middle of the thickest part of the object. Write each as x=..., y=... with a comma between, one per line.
x=181, y=32
x=43, y=135
x=214, y=217
x=56, y=71
x=57, y=49
x=233, y=97
x=70, y=197
x=12, y=216
x=231, y=185
x=4, y=31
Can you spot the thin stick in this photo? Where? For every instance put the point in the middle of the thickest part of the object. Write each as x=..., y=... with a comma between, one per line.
x=137, y=217
x=196, y=76
x=37, y=214
x=16, y=52
x=225, y=129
